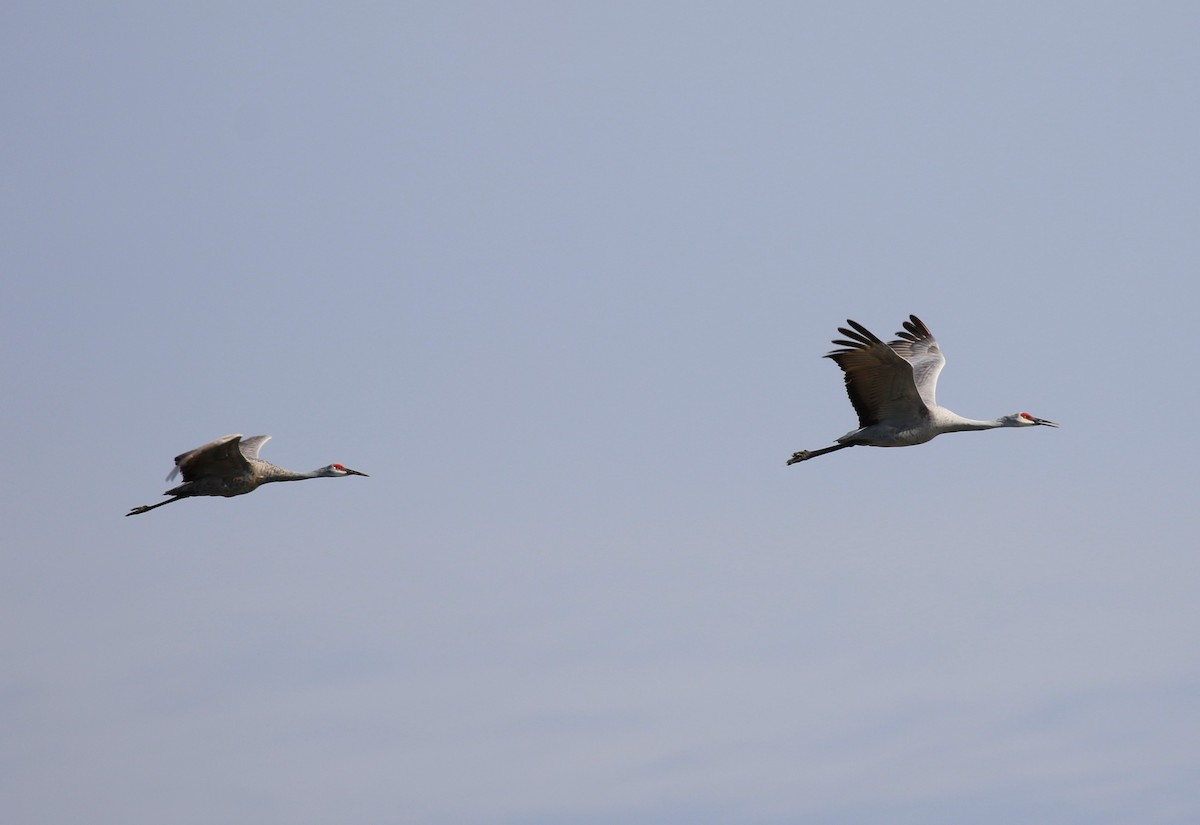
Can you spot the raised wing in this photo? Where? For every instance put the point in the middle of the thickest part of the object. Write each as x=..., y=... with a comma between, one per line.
x=250, y=446
x=879, y=380
x=220, y=458
x=918, y=347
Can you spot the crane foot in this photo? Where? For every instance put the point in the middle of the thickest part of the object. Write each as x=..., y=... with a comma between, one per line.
x=799, y=456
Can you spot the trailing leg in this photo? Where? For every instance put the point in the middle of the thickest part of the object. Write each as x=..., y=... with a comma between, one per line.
x=146, y=508
x=805, y=455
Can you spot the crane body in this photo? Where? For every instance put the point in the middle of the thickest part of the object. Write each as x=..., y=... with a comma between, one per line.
x=893, y=389
x=230, y=466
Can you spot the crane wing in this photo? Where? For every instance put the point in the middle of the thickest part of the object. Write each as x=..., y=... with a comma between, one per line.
x=918, y=347
x=250, y=446
x=219, y=458
x=879, y=380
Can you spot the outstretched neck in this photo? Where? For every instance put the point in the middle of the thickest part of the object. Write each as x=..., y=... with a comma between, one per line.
x=273, y=473
x=949, y=422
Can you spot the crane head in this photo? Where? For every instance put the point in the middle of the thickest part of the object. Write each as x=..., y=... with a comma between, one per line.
x=338, y=470
x=1024, y=419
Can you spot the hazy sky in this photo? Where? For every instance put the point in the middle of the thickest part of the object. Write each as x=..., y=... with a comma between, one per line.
x=559, y=277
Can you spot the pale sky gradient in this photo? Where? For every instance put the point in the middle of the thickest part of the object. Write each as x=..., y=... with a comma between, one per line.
x=559, y=277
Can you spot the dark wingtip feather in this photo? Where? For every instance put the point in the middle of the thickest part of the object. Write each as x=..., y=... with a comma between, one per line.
x=914, y=330
x=860, y=337
x=870, y=336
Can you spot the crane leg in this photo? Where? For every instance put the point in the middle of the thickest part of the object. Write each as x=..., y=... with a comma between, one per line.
x=805, y=455
x=146, y=508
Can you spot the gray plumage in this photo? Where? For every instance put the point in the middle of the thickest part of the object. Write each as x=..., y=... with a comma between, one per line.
x=893, y=388
x=230, y=466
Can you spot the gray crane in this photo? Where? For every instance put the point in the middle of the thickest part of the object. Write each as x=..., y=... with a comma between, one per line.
x=892, y=387
x=230, y=466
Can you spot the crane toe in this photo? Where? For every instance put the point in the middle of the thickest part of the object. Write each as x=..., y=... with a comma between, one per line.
x=802, y=455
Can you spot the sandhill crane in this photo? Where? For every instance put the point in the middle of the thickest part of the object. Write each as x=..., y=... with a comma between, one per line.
x=230, y=466
x=892, y=389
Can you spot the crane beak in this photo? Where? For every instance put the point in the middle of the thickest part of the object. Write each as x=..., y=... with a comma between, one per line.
x=350, y=472
x=1044, y=422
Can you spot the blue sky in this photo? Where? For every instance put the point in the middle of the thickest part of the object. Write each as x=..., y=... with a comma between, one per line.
x=559, y=277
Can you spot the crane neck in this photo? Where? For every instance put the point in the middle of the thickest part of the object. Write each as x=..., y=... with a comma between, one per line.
x=949, y=422
x=271, y=473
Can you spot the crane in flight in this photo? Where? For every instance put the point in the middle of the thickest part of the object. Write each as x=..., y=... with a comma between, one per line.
x=230, y=466
x=892, y=387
